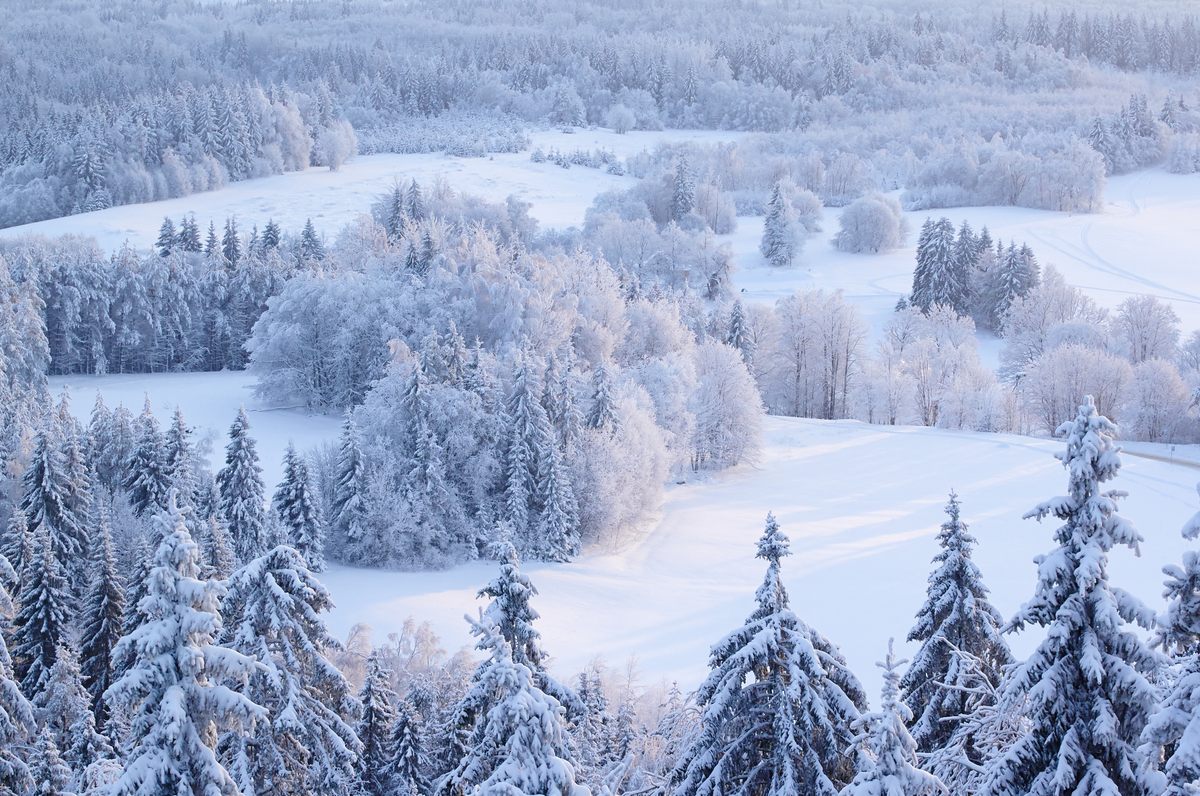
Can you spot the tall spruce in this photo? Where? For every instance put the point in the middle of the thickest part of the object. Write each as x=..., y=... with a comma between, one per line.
x=956, y=617
x=887, y=759
x=17, y=720
x=1172, y=736
x=146, y=479
x=777, y=707
x=41, y=623
x=1084, y=690
x=296, y=506
x=176, y=689
x=374, y=728
x=348, y=511
x=242, y=496
x=273, y=607
x=407, y=764
x=100, y=622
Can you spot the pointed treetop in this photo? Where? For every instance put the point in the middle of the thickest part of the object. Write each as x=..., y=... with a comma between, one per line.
x=774, y=544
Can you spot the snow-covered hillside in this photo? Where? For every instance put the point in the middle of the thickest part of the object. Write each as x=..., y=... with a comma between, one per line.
x=861, y=504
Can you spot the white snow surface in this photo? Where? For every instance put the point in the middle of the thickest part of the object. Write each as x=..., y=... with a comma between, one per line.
x=861, y=504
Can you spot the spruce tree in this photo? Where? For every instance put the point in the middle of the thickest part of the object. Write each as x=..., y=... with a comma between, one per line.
x=63, y=707
x=146, y=478
x=603, y=413
x=780, y=239
x=887, y=760
x=311, y=247
x=374, y=728
x=178, y=460
x=241, y=487
x=175, y=689
x=739, y=335
x=52, y=777
x=518, y=745
x=407, y=764
x=271, y=235
x=231, y=243
x=217, y=550
x=348, y=513
x=273, y=606
x=956, y=617
x=683, y=190
x=168, y=239
x=100, y=623
x=1084, y=690
x=297, y=509
x=1172, y=736
x=47, y=501
x=189, y=234
x=42, y=619
x=939, y=278
x=778, y=706
x=17, y=721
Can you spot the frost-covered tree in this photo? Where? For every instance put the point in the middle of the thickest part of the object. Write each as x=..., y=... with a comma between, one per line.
x=683, y=190
x=242, y=499
x=176, y=689
x=603, y=411
x=778, y=706
x=17, y=721
x=871, y=224
x=217, y=550
x=1171, y=739
x=955, y=618
x=41, y=623
x=1084, y=689
x=168, y=238
x=47, y=501
x=519, y=745
x=273, y=606
x=375, y=723
x=887, y=758
x=146, y=478
x=178, y=460
x=297, y=508
x=347, y=514
x=407, y=765
x=100, y=622
x=52, y=777
x=782, y=236
x=63, y=707
x=511, y=613
x=939, y=277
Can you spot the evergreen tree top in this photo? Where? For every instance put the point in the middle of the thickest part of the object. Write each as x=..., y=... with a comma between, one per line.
x=774, y=543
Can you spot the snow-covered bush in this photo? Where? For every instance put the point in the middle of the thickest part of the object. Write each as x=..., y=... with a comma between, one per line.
x=871, y=224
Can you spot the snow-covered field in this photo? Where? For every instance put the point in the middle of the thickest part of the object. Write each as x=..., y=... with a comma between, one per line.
x=861, y=504
x=558, y=196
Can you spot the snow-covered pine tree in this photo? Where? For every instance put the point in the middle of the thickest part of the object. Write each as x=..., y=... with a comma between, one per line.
x=271, y=235
x=42, y=619
x=781, y=236
x=956, y=617
x=1171, y=739
x=434, y=529
x=17, y=721
x=273, y=606
x=348, y=512
x=519, y=745
x=189, y=234
x=415, y=208
x=887, y=758
x=51, y=776
x=739, y=335
x=1085, y=689
x=242, y=500
x=512, y=613
x=683, y=190
x=311, y=247
x=168, y=238
x=374, y=728
x=407, y=765
x=100, y=622
x=217, y=550
x=231, y=243
x=63, y=707
x=297, y=509
x=175, y=688
x=777, y=707
x=557, y=535
x=16, y=548
x=938, y=277
x=146, y=478
x=47, y=501
x=603, y=413
x=529, y=441
x=178, y=460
